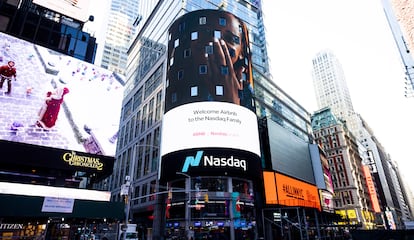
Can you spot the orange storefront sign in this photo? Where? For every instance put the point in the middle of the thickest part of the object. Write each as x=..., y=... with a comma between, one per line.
x=371, y=189
x=287, y=191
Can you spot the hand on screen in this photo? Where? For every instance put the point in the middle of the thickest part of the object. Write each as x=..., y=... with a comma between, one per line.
x=222, y=70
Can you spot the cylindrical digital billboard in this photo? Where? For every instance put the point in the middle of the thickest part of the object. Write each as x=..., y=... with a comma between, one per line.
x=209, y=125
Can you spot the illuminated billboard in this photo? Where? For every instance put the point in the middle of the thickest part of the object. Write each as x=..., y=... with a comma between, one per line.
x=371, y=189
x=57, y=101
x=209, y=126
x=76, y=9
x=287, y=191
x=326, y=200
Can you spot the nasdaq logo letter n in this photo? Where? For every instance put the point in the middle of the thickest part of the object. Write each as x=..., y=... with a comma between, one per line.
x=192, y=161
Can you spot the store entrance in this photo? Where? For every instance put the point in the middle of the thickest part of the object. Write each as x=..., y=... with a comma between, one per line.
x=222, y=233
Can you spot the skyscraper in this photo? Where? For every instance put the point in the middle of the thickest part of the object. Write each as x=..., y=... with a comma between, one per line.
x=399, y=16
x=330, y=85
x=332, y=92
x=404, y=11
x=120, y=31
x=138, y=151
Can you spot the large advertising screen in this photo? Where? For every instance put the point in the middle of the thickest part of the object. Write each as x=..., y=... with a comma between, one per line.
x=209, y=126
x=371, y=189
x=56, y=101
x=283, y=190
x=290, y=154
x=76, y=9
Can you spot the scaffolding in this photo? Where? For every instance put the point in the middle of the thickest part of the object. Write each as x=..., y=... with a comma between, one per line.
x=288, y=223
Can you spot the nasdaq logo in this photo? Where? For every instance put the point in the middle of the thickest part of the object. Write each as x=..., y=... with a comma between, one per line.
x=211, y=161
x=192, y=161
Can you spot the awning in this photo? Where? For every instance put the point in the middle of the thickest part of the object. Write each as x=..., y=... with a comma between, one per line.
x=30, y=206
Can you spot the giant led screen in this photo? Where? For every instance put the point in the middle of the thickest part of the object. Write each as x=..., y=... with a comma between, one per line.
x=290, y=154
x=77, y=9
x=287, y=191
x=57, y=101
x=209, y=126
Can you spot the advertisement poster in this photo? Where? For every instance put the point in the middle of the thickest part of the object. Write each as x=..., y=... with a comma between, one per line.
x=54, y=100
x=209, y=95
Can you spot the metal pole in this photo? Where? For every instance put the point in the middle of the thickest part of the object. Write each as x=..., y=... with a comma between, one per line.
x=129, y=183
x=126, y=212
x=187, y=209
x=317, y=224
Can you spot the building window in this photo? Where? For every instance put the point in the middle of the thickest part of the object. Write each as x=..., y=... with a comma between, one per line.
x=180, y=74
x=219, y=90
x=181, y=27
x=187, y=53
x=209, y=49
x=194, y=35
x=236, y=39
x=224, y=70
x=244, y=76
x=143, y=193
x=202, y=20
x=222, y=21
x=202, y=69
x=232, y=52
x=217, y=34
x=194, y=91
x=174, y=97
x=337, y=203
x=176, y=42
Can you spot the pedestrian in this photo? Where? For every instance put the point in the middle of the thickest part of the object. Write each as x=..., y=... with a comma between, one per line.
x=7, y=72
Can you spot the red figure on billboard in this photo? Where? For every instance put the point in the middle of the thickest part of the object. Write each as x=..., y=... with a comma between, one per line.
x=7, y=72
x=49, y=112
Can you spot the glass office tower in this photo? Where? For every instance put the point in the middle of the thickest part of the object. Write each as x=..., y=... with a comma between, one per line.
x=144, y=99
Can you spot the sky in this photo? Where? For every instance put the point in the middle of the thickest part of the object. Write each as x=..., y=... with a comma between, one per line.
x=358, y=34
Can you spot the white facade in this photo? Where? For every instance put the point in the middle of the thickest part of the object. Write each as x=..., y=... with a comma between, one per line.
x=330, y=85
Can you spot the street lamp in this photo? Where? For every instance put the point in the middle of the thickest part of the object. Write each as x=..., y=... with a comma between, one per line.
x=187, y=209
x=125, y=192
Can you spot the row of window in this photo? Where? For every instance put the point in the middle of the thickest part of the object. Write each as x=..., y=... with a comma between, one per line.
x=216, y=184
x=202, y=21
x=345, y=198
x=143, y=119
x=216, y=34
x=146, y=159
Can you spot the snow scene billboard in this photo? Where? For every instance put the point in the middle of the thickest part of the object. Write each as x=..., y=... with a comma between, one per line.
x=54, y=100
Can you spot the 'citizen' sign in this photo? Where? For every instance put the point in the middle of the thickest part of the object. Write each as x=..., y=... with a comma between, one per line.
x=11, y=226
